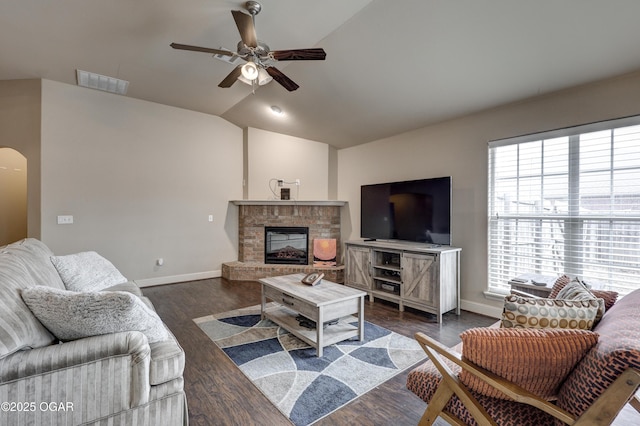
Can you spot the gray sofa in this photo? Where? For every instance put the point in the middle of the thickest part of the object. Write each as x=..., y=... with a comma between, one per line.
x=109, y=379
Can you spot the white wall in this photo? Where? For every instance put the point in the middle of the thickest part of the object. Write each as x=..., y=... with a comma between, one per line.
x=459, y=148
x=276, y=156
x=140, y=180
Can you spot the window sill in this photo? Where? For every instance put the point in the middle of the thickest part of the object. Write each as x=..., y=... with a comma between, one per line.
x=495, y=294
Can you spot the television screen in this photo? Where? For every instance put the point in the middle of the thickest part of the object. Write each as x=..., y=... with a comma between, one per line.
x=416, y=210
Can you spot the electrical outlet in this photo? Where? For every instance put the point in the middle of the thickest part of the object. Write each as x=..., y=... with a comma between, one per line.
x=210, y=218
x=297, y=182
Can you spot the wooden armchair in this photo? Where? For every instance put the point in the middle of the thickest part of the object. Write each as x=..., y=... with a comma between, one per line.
x=448, y=362
x=546, y=377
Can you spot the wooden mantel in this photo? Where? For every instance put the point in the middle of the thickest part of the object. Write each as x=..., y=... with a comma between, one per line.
x=329, y=203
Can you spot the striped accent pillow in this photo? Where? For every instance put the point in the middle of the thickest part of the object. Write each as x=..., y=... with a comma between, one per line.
x=608, y=296
x=576, y=290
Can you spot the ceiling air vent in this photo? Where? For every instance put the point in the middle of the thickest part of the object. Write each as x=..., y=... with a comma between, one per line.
x=102, y=82
x=235, y=59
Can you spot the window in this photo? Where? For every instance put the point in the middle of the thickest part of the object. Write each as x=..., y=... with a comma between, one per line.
x=567, y=201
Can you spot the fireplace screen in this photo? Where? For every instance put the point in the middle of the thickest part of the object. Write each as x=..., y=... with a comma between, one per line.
x=286, y=245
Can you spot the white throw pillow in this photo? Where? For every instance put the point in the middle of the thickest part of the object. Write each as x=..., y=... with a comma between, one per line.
x=87, y=271
x=71, y=315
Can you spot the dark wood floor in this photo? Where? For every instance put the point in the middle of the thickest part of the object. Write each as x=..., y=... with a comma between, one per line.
x=219, y=394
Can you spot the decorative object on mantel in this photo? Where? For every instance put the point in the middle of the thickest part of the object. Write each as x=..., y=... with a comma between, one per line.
x=324, y=252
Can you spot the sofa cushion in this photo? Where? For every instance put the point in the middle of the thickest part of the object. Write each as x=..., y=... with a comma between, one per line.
x=35, y=256
x=617, y=349
x=129, y=286
x=73, y=315
x=87, y=271
x=167, y=357
x=19, y=328
x=608, y=296
x=167, y=361
x=528, y=312
x=536, y=359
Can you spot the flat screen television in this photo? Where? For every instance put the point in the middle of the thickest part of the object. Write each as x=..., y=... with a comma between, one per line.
x=415, y=210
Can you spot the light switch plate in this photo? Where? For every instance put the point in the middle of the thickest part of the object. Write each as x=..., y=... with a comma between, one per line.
x=65, y=220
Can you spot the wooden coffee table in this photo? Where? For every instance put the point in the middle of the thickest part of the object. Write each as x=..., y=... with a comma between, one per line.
x=321, y=303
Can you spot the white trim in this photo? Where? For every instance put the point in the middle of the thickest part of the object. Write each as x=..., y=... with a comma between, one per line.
x=482, y=309
x=567, y=131
x=497, y=294
x=148, y=282
x=329, y=203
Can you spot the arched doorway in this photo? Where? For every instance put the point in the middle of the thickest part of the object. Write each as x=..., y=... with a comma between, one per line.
x=13, y=196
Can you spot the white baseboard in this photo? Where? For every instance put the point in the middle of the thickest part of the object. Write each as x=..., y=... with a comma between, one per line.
x=478, y=308
x=148, y=282
x=482, y=309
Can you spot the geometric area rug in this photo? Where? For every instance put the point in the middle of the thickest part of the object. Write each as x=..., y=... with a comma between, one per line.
x=304, y=387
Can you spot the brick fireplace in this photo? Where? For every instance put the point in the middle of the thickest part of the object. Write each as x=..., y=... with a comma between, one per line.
x=322, y=218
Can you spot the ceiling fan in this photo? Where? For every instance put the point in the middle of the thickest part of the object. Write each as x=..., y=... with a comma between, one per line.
x=259, y=67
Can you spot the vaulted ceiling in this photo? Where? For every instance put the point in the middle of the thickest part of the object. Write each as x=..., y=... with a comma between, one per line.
x=391, y=66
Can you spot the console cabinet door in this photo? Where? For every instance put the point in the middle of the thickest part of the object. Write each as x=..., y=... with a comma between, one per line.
x=420, y=278
x=358, y=267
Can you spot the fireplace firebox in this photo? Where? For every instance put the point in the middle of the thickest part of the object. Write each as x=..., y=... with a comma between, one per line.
x=286, y=245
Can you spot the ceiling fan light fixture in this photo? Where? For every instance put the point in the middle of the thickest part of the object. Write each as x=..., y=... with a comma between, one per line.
x=250, y=71
x=258, y=70
x=262, y=78
x=244, y=80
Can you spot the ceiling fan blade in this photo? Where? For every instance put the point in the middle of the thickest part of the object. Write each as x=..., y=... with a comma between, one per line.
x=231, y=78
x=246, y=28
x=201, y=49
x=284, y=81
x=313, y=54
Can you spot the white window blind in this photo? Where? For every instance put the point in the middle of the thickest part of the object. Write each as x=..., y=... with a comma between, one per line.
x=567, y=201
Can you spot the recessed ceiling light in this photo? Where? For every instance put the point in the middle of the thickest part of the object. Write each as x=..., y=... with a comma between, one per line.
x=276, y=110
